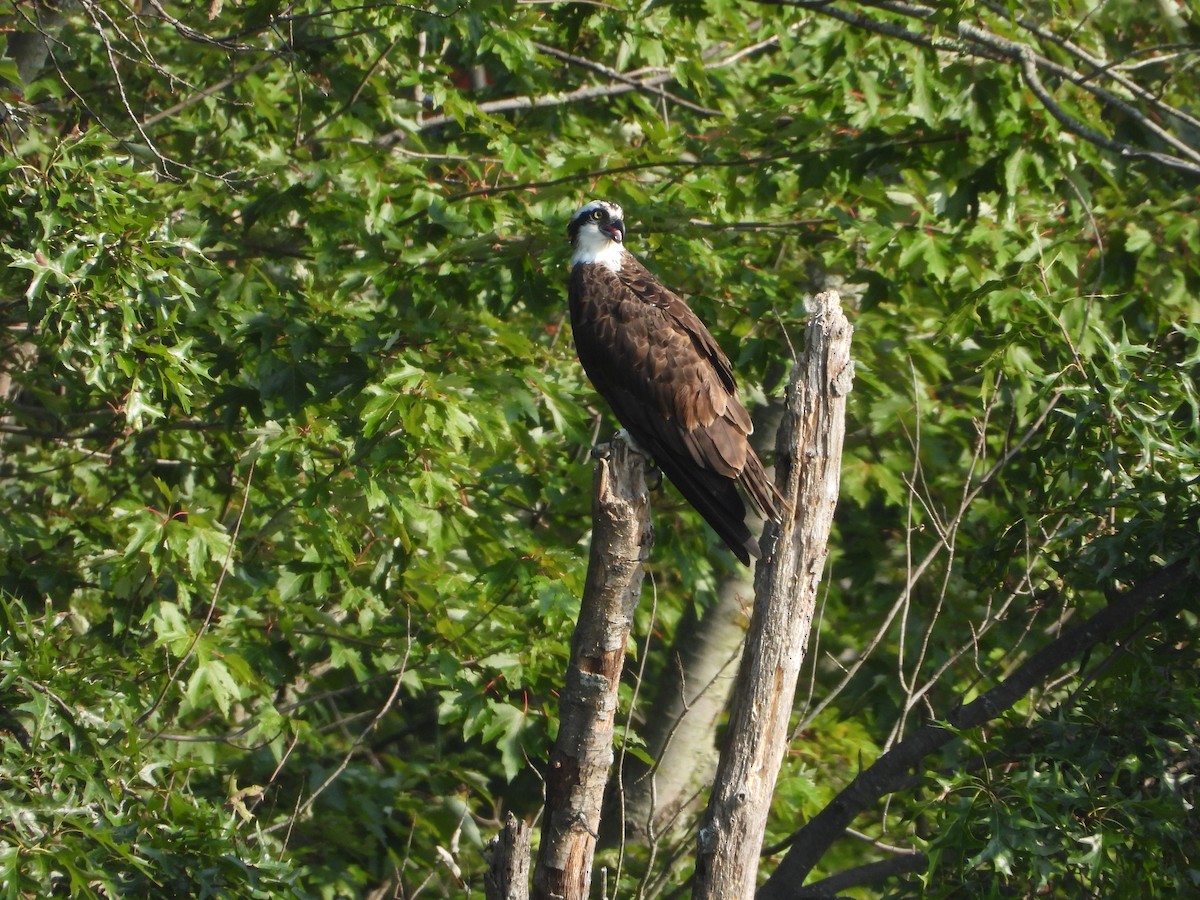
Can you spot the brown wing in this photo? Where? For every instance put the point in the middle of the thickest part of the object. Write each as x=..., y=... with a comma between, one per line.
x=672, y=388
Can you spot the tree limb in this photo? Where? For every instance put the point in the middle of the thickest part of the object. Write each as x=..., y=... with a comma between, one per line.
x=891, y=771
x=808, y=464
x=978, y=41
x=525, y=101
x=648, y=80
x=870, y=873
x=583, y=750
x=507, y=854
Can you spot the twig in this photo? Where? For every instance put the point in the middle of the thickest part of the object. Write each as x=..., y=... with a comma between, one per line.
x=1156, y=597
x=212, y=605
x=929, y=557
x=304, y=807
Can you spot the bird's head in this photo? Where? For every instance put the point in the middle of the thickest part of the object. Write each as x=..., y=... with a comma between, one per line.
x=596, y=233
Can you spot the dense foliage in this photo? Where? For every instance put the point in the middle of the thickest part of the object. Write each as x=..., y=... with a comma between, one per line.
x=293, y=446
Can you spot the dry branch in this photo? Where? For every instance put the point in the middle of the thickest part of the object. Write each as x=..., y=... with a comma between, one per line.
x=1160, y=122
x=892, y=771
x=508, y=853
x=583, y=750
x=808, y=464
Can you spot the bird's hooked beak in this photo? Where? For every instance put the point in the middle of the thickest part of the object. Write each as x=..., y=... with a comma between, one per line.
x=615, y=230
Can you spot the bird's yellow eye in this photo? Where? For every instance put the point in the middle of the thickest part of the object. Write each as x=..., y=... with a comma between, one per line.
x=597, y=214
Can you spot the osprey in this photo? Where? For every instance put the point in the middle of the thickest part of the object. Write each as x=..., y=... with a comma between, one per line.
x=667, y=381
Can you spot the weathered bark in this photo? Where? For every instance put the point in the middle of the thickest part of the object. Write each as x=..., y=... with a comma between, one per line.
x=583, y=751
x=683, y=713
x=808, y=460
x=508, y=854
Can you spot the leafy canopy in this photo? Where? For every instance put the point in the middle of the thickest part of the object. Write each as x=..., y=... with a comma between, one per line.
x=294, y=453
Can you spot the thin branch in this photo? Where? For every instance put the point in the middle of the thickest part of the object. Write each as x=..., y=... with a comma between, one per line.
x=976, y=41
x=353, y=98
x=115, y=68
x=1166, y=53
x=608, y=72
x=1157, y=597
x=357, y=742
x=608, y=6
x=870, y=873
x=1114, y=71
x=647, y=80
x=627, y=731
x=1022, y=588
x=212, y=605
x=686, y=164
x=192, y=34
x=882, y=845
x=1029, y=70
x=202, y=93
x=1030, y=62
x=929, y=557
x=795, y=225
x=859, y=20
x=524, y=101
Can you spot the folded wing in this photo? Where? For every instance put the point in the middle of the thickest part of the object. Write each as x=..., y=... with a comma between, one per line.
x=672, y=388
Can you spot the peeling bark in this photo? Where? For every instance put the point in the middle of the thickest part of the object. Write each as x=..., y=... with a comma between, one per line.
x=508, y=854
x=808, y=462
x=583, y=751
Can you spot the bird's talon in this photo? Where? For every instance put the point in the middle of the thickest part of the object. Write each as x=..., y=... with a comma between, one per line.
x=654, y=476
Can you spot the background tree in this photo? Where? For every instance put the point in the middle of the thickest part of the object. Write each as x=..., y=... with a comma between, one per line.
x=294, y=445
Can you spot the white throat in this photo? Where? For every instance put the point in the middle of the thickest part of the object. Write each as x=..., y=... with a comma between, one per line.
x=592, y=246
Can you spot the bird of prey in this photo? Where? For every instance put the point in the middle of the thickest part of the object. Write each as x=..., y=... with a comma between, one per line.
x=666, y=379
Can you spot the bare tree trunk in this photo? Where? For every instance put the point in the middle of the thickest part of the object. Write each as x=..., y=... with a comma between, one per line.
x=808, y=461
x=684, y=711
x=507, y=876
x=583, y=751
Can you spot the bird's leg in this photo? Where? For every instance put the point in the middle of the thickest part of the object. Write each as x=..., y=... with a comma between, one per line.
x=604, y=451
x=653, y=474
x=625, y=436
